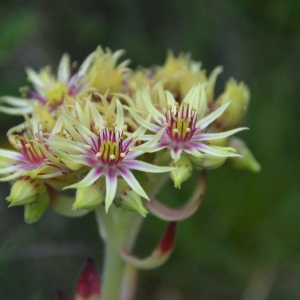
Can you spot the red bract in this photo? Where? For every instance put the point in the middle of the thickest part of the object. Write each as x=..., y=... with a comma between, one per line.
x=88, y=285
x=167, y=242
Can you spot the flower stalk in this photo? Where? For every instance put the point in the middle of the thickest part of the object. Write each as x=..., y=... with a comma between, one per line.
x=118, y=231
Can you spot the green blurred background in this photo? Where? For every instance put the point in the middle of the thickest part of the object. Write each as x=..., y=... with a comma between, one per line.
x=244, y=241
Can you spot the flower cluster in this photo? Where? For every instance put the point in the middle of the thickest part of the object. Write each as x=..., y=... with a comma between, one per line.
x=104, y=128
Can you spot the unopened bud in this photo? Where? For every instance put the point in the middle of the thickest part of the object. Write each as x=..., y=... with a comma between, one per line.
x=239, y=96
x=24, y=191
x=182, y=172
x=36, y=209
x=90, y=197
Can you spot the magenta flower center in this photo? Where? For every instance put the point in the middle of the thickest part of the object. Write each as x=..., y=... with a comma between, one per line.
x=110, y=146
x=181, y=125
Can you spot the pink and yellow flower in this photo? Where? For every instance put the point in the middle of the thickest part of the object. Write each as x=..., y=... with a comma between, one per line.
x=50, y=89
x=105, y=151
x=181, y=127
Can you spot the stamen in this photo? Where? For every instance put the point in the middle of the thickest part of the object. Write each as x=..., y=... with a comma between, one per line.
x=181, y=123
x=98, y=155
x=122, y=154
x=87, y=147
x=112, y=157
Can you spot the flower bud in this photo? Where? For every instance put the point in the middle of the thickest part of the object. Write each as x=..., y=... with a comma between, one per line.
x=183, y=170
x=35, y=210
x=88, y=285
x=90, y=197
x=248, y=161
x=129, y=199
x=105, y=73
x=24, y=191
x=239, y=96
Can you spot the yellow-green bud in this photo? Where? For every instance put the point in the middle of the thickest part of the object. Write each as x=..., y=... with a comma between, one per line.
x=248, y=161
x=35, y=210
x=24, y=191
x=239, y=96
x=129, y=199
x=90, y=197
x=183, y=170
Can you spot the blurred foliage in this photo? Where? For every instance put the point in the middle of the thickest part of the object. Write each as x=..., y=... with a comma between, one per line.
x=244, y=241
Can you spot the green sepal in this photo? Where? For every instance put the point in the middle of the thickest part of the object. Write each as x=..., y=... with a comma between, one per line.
x=129, y=199
x=36, y=209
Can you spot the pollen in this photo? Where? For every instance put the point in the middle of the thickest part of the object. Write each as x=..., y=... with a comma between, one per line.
x=122, y=154
x=87, y=147
x=112, y=157
x=98, y=154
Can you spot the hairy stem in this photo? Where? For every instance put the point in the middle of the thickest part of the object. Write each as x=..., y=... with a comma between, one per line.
x=118, y=229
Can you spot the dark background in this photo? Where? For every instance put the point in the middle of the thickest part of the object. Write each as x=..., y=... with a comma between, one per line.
x=244, y=241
